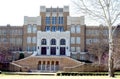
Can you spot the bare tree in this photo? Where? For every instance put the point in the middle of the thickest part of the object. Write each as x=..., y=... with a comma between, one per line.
x=116, y=45
x=107, y=11
x=100, y=45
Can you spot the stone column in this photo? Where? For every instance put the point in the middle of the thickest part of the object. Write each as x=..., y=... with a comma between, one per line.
x=58, y=47
x=48, y=47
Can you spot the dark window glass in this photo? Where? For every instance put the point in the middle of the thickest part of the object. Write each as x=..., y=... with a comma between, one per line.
x=62, y=42
x=53, y=42
x=53, y=28
x=60, y=28
x=47, y=28
x=43, y=42
x=47, y=20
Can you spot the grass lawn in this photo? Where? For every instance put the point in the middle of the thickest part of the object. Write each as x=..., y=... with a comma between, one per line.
x=3, y=76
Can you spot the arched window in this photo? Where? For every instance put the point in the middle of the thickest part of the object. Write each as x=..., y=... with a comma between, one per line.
x=43, y=42
x=53, y=28
x=53, y=42
x=62, y=42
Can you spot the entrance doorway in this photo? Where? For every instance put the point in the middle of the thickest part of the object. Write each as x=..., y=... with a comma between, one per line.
x=53, y=50
x=62, y=50
x=43, y=51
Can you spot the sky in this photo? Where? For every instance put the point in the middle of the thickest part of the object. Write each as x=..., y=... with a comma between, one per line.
x=13, y=11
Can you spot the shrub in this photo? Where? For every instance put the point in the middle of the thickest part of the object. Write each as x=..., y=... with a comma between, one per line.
x=21, y=56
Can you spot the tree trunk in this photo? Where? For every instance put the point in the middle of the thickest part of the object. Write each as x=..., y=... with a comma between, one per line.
x=110, y=60
x=99, y=60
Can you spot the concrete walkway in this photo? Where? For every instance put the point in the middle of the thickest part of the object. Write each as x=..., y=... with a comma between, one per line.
x=2, y=76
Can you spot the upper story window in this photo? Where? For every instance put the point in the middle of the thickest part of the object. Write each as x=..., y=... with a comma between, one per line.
x=47, y=28
x=60, y=20
x=62, y=42
x=28, y=40
x=72, y=40
x=34, y=40
x=53, y=28
x=47, y=20
x=34, y=28
x=53, y=42
x=78, y=29
x=43, y=42
x=78, y=40
x=54, y=20
x=29, y=28
x=72, y=29
x=60, y=28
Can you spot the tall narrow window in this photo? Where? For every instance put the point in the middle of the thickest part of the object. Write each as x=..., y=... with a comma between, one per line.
x=29, y=28
x=72, y=29
x=47, y=20
x=34, y=28
x=78, y=29
x=54, y=20
x=60, y=20
x=72, y=40
x=77, y=40
x=28, y=40
x=34, y=40
x=60, y=28
x=53, y=28
x=47, y=28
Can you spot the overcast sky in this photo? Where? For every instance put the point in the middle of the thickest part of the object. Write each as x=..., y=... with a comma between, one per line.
x=13, y=11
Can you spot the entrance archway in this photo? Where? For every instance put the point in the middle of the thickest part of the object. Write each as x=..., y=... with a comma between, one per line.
x=39, y=65
x=43, y=50
x=53, y=50
x=62, y=50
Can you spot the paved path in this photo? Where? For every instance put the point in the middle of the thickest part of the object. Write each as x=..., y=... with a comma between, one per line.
x=53, y=77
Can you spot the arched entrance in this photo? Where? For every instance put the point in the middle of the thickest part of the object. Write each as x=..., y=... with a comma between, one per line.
x=62, y=50
x=39, y=65
x=48, y=66
x=43, y=50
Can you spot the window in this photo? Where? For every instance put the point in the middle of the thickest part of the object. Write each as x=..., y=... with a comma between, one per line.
x=34, y=48
x=105, y=32
x=34, y=40
x=34, y=28
x=88, y=41
x=72, y=40
x=54, y=20
x=53, y=28
x=47, y=28
x=28, y=40
x=62, y=42
x=60, y=28
x=53, y=42
x=78, y=29
x=28, y=48
x=18, y=41
x=77, y=40
x=72, y=49
x=82, y=57
x=60, y=20
x=77, y=49
x=43, y=42
x=72, y=29
x=47, y=20
x=29, y=28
